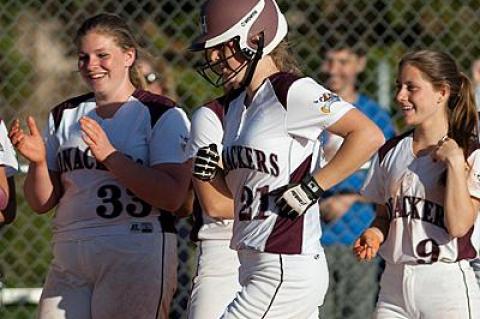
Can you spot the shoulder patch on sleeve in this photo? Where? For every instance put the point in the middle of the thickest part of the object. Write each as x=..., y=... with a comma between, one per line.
x=156, y=104
x=391, y=143
x=326, y=100
x=281, y=83
x=72, y=103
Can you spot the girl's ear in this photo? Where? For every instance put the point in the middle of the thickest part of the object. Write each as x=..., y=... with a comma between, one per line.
x=130, y=55
x=444, y=92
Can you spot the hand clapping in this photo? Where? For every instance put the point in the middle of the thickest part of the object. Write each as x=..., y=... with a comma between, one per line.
x=96, y=139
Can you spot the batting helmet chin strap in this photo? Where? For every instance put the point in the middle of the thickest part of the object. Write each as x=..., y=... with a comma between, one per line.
x=253, y=64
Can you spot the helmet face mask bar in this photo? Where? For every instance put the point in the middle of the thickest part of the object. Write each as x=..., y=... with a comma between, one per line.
x=212, y=71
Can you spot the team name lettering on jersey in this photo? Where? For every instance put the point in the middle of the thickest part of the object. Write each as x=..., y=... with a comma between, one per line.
x=238, y=156
x=71, y=159
x=417, y=208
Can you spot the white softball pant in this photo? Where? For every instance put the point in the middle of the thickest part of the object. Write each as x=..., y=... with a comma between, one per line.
x=476, y=268
x=116, y=276
x=216, y=282
x=279, y=286
x=433, y=291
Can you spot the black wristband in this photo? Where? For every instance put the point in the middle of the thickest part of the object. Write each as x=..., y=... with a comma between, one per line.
x=312, y=185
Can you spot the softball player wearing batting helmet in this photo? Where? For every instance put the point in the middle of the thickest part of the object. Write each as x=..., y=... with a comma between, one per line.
x=426, y=183
x=8, y=167
x=112, y=161
x=216, y=281
x=271, y=125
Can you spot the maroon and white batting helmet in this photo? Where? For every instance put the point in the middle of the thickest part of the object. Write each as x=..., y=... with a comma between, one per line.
x=224, y=20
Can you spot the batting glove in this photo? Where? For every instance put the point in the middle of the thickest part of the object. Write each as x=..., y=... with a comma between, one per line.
x=205, y=164
x=295, y=199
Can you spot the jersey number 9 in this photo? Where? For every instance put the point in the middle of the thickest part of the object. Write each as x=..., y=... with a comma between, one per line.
x=429, y=250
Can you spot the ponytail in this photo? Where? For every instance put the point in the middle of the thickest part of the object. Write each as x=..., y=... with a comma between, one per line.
x=284, y=59
x=463, y=116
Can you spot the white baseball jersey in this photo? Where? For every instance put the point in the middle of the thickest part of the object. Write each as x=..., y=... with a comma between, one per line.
x=207, y=129
x=267, y=145
x=8, y=158
x=412, y=190
x=147, y=128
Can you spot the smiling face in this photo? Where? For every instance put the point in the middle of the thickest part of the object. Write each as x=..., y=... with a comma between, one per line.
x=342, y=68
x=418, y=100
x=103, y=64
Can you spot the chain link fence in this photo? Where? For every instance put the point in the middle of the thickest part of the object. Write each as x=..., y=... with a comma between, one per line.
x=38, y=70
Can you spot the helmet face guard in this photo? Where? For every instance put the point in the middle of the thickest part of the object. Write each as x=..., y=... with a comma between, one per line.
x=212, y=71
